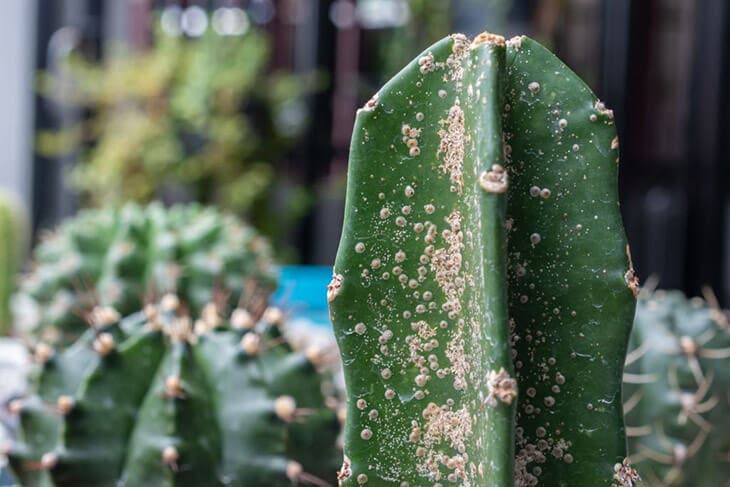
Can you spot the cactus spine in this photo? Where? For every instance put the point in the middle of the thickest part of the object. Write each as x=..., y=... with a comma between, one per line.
x=180, y=375
x=123, y=257
x=13, y=230
x=481, y=226
x=676, y=391
x=155, y=399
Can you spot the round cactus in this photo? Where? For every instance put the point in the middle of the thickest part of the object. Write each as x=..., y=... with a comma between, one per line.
x=122, y=257
x=160, y=398
x=676, y=387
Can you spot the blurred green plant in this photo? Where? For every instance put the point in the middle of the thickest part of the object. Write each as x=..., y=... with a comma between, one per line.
x=193, y=119
x=429, y=21
x=13, y=229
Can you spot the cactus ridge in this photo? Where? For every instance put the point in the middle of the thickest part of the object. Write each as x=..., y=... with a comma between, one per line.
x=157, y=399
x=676, y=391
x=483, y=252
x=123, y=257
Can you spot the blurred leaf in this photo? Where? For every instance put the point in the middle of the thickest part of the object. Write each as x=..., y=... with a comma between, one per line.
x=201, y=117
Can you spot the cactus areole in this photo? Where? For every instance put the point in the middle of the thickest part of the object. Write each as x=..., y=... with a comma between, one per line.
x=483, y=293
x=157, y=399
x=122, y=257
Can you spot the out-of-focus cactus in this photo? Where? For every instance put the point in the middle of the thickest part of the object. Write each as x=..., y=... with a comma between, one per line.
x=677, y=391
x=163, y=398
x=121, y=258
x=13, y=238
x=482, y=229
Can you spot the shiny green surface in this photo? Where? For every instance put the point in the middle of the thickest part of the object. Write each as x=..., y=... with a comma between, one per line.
x=423, y=214
x=569, y=293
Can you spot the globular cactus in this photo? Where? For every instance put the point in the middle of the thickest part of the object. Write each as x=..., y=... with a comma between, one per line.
x=677, y=391
x=482, y=230
x=122, y=257
x=160, y=399
x=13, y=228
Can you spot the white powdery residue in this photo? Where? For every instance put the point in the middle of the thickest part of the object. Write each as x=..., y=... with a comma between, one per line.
x=451, y=146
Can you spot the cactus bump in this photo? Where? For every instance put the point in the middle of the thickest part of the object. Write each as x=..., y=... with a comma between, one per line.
x=483, y=294
x=676, y=391
x=158, y=398
x=171, y=368
x=124, y=257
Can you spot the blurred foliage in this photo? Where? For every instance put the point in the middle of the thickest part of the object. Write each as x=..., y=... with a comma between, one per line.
x=429, y=21
x=193, y=119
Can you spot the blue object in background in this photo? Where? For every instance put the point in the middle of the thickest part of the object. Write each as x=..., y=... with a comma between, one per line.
x=6, y=479
x=302, y=293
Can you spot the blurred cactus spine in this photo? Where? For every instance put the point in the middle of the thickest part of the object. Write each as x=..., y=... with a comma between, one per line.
x=159, y=362
x=122, y=257
x=13, y=231
x=189, y=119
x=482, y=230
x=676, y=391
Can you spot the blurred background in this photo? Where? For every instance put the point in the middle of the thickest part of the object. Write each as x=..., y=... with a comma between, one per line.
x=248, y=104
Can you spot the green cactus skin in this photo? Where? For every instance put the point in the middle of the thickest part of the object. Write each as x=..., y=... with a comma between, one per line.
x=676, y=391
x=13, y=228
x=440, y=257
x=154, y=399
x=571, y=278
x=121, y=257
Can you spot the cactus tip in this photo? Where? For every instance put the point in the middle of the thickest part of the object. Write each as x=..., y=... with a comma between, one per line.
x=488, y=38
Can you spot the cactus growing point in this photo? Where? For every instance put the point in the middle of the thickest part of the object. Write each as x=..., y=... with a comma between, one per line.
x=482, y=229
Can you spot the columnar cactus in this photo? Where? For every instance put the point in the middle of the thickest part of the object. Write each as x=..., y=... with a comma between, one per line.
x=482, y=230
x=13, y=228
x=122, y=257
x=159, y=399
x=676, y=387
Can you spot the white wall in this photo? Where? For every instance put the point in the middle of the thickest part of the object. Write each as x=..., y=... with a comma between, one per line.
x=17, y=52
